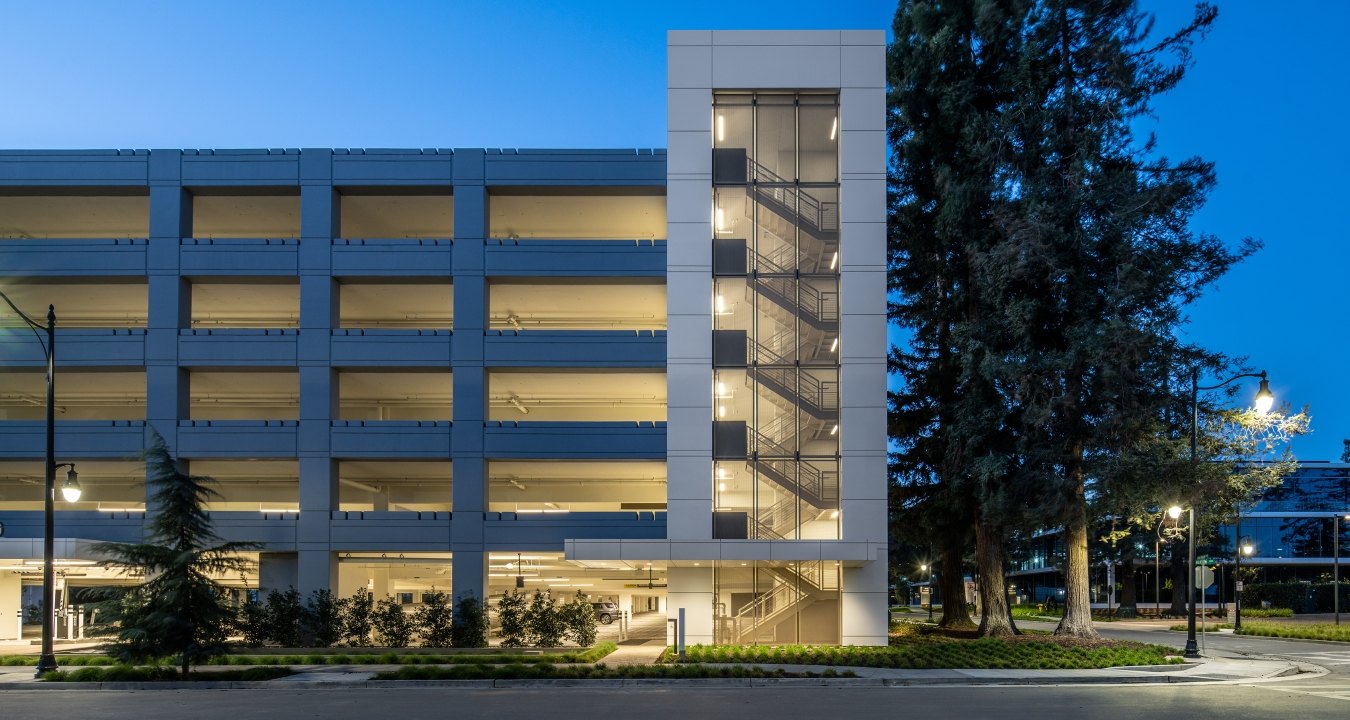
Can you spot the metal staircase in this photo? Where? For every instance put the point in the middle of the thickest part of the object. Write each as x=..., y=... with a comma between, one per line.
x=795, y=587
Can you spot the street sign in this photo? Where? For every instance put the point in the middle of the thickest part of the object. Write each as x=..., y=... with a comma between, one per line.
x=1204, y=577
x=1239, y=586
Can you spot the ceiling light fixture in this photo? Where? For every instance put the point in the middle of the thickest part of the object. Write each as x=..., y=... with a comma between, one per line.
x=834, y=430
x=834, y=127
x=834, y=260
x=721, y=128
x=517, y=404
x=834, y=344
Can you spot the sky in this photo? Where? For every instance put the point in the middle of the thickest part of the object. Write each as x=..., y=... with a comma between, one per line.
x=1267, y=101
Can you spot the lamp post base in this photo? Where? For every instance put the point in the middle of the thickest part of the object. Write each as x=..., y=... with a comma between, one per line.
x=1191, y=651
x=46, y=664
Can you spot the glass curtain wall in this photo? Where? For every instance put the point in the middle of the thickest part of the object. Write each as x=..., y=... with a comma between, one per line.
x=776, y=249
x=776, y=266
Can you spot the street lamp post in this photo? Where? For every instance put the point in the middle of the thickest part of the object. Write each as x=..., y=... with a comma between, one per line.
x=929, y=579
x=1265, y=399
x=1243, y=549
x=1336, y=563
x=1192, y=648
x=71, y=489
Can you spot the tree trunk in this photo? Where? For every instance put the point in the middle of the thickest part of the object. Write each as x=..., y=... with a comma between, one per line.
x=995, y=616
x=1077, y=620
x=1178, y=580
x=1128, y=607
x=953, y=583
x=185, y=666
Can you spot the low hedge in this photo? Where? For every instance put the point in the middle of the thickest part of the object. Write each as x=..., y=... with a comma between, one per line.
x=1037, y=653
x=161, y=673
x=66, y=660
x=582, y=672
x=589, y=655
x=1298, y=631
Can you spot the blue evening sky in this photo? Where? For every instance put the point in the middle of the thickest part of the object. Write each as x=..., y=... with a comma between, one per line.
x=1267, y=102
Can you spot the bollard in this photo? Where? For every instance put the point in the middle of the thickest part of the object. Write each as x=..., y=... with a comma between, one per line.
x=679, y=638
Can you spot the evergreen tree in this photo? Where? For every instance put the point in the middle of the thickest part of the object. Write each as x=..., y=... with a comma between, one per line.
x=945, y=73
x=180, y=610
x=1043, y=259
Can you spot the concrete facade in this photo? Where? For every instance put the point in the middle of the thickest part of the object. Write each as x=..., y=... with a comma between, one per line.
x=304, y=544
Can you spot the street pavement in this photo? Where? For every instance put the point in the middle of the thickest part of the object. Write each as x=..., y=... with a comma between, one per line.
x=1243, y=677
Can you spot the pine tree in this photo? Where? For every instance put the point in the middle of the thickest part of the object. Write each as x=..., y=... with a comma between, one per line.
x=180, y=610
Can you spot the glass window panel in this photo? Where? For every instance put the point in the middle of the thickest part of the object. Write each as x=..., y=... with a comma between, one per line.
x=775, y=140
x=819, y=137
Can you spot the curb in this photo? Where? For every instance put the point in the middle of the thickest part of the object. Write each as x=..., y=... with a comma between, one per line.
x=643, y=682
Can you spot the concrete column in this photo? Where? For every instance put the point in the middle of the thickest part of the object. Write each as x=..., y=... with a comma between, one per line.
x=469, y=576
x=689, y=289
x=865, y=610
x=277, y=571
x=691, y=589
x=469, y=482
x=11, y=603
x=317, y=570
x=169, y=296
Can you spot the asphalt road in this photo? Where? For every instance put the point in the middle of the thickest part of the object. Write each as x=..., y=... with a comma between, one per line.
x=948, y=703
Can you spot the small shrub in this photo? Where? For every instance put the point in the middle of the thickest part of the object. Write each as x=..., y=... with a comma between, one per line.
x=391, y=623
x=356, y=611
x=285, y=618
x=323, y=616
x=511, y=613
x=434, y=620
x=470, y=628
x=251, y=624
x=544, y=621
x=579, y=619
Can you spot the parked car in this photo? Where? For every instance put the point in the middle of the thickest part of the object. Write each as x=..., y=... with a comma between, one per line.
x=605, y=612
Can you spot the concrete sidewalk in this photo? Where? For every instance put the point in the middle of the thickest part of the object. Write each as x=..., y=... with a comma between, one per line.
x=1209, y=670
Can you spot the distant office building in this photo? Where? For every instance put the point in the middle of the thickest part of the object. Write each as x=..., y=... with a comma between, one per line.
x=655, y=376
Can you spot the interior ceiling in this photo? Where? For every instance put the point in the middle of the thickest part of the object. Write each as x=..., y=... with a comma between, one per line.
x=229, y=383
x=74, y=216
x=245, y=216
x=257, y=299
x=90, y=471
x=395, y=470
x=578, y=303
x=585, y=216
x=229, y=470
x=75, y=385
x=395, y=386
x=403, y=304
x=78, y=304
x=397, y=216
x=577, y=389
x=573, y=471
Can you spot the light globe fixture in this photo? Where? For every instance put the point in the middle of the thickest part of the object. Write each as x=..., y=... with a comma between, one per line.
x=1265, y=399
x=71, y=489
x=1174, y=512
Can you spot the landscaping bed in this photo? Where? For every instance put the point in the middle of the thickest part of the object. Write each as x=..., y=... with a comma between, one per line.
x=591, y=672
x=920, y=648
x=130, y=673
x=589, y=655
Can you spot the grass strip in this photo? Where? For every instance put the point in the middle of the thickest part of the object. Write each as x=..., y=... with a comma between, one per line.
x=1020, y=653
x=1297, y=631
x=68, y=660
x=160, y=673
x=583, y=672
